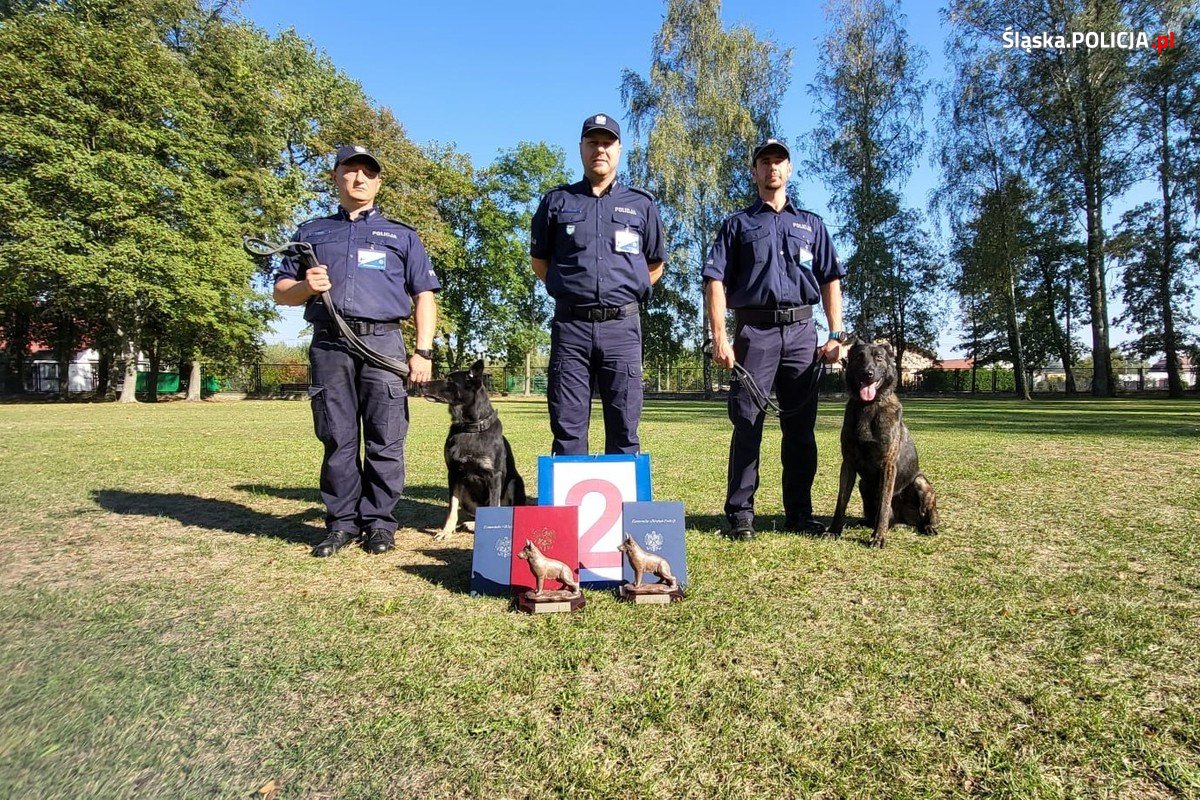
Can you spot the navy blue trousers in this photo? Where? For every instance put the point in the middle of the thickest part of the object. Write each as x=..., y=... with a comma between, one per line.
x=358, y=407
x=604, y=356
x=782, y=357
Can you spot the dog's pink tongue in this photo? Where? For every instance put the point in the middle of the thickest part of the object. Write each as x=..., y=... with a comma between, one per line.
x=867, y=393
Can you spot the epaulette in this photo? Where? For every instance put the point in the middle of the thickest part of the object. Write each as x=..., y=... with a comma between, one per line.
x=402, y=223
x=314, y=219
x=642, y=192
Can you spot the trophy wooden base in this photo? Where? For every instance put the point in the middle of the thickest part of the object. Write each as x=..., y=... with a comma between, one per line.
x=649, y=594
x=550, y=605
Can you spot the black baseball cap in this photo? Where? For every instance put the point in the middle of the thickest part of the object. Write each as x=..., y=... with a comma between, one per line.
x=770, y=144
x=349, y=151
x=601, y=122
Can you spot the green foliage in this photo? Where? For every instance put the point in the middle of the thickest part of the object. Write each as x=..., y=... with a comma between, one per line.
x=865, y=143
x=959, y=380
x=490, y=300
x=711, y=95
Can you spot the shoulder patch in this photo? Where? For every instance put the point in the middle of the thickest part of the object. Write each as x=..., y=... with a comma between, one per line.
x=642, y=192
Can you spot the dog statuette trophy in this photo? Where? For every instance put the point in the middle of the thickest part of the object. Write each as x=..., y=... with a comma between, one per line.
x=641, y=562
x=542, y=600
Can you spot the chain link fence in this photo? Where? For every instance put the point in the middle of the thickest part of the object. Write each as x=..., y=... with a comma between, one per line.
x=659, y=380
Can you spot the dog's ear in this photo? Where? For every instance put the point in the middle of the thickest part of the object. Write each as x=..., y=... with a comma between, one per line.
x=891, y=351
x=477, y=370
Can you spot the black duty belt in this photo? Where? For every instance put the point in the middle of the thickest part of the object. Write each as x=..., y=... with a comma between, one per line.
x=595, y=313
x=772, y=316
x=362, y=327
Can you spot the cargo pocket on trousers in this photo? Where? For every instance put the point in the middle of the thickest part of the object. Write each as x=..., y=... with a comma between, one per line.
x=316, y=397
x=397, y=412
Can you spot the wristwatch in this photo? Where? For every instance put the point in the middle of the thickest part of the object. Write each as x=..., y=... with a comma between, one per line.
x=837, y=336
x=424, y=353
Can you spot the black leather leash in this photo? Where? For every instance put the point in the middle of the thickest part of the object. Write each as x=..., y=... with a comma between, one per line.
x=303, y=252
x=760, y=398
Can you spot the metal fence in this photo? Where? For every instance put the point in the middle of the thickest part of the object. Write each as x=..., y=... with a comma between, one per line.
x=265, y=380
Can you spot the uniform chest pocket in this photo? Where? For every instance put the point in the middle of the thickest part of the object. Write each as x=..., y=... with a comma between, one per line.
x=627, y=233
x=571, y=229
x=800, y=248
x=755, y=244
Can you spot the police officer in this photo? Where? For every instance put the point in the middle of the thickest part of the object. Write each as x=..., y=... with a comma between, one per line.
x=378, y=274
x=771, y=263
x=598, y=245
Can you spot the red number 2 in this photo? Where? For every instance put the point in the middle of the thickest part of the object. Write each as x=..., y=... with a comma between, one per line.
x=589, y=557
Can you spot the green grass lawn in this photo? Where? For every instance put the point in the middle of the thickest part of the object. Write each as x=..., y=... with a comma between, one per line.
x=166, y=633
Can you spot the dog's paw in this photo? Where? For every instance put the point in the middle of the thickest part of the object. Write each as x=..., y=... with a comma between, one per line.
x=468, y=526
x=876, y=541
x=441, y=536
x=928, y=530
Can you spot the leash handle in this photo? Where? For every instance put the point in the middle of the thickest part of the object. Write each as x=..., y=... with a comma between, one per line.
x=304, y=253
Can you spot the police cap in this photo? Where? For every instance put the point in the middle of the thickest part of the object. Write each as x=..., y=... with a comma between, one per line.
x=601, y=122
x=769, y=145
x=349, y=151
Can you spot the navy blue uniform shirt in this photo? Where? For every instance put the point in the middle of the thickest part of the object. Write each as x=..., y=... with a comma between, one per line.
x=773, y=260
x=376, y=266
x=599, y=248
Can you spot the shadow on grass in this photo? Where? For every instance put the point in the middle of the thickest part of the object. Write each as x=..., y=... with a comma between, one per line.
x=453, y=574
x=310, y=494
x=216, y=515
x=716, y=524
x=230, y=517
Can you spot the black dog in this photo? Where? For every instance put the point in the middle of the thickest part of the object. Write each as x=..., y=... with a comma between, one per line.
x=479, y=460
x=877, y=448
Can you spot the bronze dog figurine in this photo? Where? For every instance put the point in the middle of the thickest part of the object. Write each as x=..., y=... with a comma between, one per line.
x=878, y=449
x=643, y=562
x=545, y=567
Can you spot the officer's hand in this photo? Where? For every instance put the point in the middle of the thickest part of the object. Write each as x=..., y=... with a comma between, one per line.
x=419, y=369
x=831, y=352
x=723, y=353
x=317, y=279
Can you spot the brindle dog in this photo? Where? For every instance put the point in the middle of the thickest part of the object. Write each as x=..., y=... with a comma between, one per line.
x=877, y=447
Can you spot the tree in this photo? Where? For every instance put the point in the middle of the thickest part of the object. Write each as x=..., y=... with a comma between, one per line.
x=511, y=188
x=131, y=167
x=868, y=98
x=982, y=160
x=1078, y=115
x=1057, y=270
x=490, y=298
x=1153, y=241
x=711, y=95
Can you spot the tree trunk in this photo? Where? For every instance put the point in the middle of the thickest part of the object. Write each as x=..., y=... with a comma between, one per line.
x=528, y=374
x=193, y=384
x=1170, y=342
x=1013, y=324
x=17, y=348
x=1102, y=375
x=129, y=387
x=104, y=365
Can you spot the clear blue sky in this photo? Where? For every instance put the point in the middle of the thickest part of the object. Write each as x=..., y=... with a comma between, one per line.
x=485, y=76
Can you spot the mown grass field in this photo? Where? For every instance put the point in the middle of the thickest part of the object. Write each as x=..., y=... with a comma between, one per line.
x=165, y=633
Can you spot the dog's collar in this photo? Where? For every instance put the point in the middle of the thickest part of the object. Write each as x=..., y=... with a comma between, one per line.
x=478, y=426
